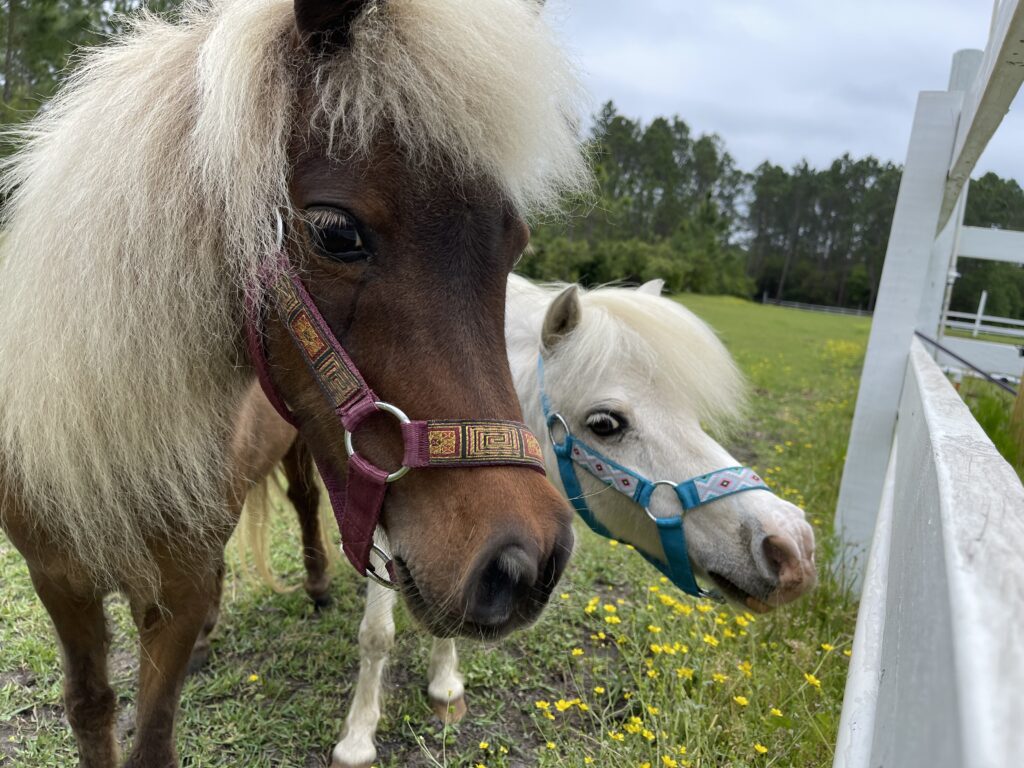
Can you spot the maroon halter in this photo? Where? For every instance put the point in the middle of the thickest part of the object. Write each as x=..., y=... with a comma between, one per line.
x=357, y=506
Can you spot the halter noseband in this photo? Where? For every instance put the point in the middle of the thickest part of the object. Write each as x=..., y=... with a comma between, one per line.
x=572, y=452
x=437, y=443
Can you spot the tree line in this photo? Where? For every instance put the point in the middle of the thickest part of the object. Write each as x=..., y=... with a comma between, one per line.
x=668, y=202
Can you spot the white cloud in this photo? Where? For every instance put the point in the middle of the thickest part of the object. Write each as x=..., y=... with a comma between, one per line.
x=782, y=80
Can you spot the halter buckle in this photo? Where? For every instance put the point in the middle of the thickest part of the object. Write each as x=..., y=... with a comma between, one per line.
x=399, y=414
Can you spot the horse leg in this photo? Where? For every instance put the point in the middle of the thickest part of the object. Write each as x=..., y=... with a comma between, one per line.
x=444, y=686
x=376, y=637
x=167, y=635
x=304, y=494
x=88, y=698
x=201, y=650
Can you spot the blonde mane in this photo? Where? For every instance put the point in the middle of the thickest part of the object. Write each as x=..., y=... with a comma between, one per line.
x=140, y=206
x=687, y=365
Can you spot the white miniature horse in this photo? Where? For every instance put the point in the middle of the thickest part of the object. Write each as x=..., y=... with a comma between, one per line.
x=635, y=375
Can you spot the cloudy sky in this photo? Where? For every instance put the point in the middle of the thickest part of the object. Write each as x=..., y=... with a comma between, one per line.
x=783, y=79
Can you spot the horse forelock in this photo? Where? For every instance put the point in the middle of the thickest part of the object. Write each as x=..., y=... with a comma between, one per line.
x=678, y=356
x=141, y=204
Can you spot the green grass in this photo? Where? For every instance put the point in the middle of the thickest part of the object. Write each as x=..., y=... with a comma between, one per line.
x=652, y=671
x=993, y=408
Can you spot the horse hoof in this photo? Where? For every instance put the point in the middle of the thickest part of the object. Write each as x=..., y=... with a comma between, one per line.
x=200, y=655
x=449, y=712
x=359, y=756
x=321, y=602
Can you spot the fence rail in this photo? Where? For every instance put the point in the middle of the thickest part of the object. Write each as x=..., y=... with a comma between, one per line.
x=937, y=669
x=816, y=307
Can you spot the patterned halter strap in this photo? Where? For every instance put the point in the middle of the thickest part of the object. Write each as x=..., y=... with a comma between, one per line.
x=445, y=443
x=572, y=452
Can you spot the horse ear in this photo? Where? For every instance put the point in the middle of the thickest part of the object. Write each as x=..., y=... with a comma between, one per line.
x=324, y=23
x=652, y=287
x=562, y=317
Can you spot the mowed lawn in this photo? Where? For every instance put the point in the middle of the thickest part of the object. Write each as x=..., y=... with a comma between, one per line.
x=623, y=670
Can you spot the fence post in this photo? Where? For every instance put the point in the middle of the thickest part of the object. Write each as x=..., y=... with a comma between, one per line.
x=907, y=262
x=981, y=311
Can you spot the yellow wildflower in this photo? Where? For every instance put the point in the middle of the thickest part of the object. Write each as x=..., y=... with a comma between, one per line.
x=742, y=621
x=613, y=619
x=776, y=712
x=741, y=700
x=711, y=640
x=551, y=745
x=649, y=735
x=613, y=543
x=541, y=704
x=564, y=595
x=653, y=629
x=669, y=762
x=684, y=672
x=653, y=710
x=561, y=705
x=577, y=651
x=847, y=653
x=254, y=678
x=718, y=677
x=760, y=748
x=598, y=689
x=588, y=760
x=812, y=680
x=826, y=647
x=652, y=673
x=484, y=745
x=615, y=735
x=745, y=667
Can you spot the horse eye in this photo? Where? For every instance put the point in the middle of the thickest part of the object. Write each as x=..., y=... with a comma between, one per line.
x=335, y=235
x=606, y=423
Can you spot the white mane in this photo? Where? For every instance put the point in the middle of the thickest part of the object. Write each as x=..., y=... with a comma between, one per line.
x=141, y=204
x=688, y=367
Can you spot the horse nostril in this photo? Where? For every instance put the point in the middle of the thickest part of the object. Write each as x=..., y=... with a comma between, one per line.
x=506, y=577
x=783, y=555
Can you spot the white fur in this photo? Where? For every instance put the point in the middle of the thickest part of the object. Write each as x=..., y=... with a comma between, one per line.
x=655, y=361
x=142, y=202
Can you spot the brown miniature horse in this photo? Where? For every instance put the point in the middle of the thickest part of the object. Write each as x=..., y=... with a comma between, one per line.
x=403, y=141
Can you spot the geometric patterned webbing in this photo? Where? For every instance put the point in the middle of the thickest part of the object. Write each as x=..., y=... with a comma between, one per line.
x=725, y=482
x=465, y=443
x=329, y=368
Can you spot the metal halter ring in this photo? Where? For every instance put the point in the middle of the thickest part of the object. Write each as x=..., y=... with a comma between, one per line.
x=551, y=433
x=655, y=484
x=371, y=572
x=399, y=473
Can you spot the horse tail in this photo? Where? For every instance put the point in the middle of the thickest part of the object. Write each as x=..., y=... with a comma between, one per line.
x=254, y=533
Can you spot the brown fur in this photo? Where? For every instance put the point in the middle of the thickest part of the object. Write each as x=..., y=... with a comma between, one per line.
x=423, y=319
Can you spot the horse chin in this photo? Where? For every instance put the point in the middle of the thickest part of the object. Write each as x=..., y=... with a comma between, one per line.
x=449, y=624
x=740, y=597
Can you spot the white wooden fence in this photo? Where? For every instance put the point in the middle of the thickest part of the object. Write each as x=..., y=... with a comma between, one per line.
x=937, y=675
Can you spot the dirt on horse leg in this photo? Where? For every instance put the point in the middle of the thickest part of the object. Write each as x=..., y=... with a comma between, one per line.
x=304, y=494
x=376, y=637
x=167, y=635
x=444, y=683
x=88, y=698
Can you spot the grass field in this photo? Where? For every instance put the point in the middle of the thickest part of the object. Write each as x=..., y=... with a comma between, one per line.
x=623, y=670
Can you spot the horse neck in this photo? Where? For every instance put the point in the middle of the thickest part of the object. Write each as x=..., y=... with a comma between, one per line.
x=525, y=308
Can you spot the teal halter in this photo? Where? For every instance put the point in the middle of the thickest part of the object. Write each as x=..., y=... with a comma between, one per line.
x=572, y=452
